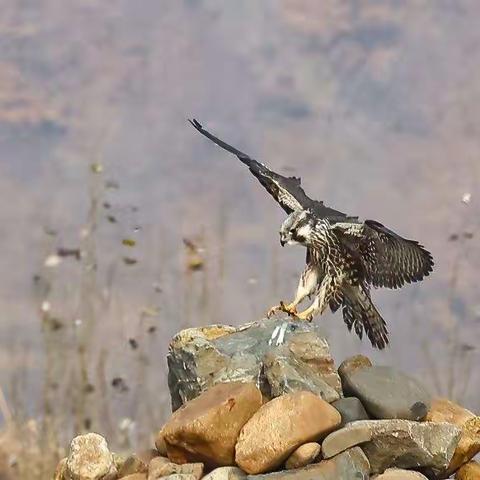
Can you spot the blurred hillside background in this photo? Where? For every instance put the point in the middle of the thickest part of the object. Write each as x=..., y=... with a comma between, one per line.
x=121, y=224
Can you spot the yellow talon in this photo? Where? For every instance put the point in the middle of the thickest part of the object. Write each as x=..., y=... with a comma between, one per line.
x=305, y=315
x=291, y=309
x=273, y=310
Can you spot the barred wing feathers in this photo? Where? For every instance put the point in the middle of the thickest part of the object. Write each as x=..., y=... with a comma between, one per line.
x=388, y=259
x=391, y=261
x=287, y=191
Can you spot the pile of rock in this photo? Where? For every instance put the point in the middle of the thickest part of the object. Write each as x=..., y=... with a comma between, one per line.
x=265, y=400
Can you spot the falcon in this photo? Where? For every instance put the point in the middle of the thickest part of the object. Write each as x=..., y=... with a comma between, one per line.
x=345, y=258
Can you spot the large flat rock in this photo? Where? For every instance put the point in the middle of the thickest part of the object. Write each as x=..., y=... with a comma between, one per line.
x=199, y=358
x=397, y=443
x=349, y=465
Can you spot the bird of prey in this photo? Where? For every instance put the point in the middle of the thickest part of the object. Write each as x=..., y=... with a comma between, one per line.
x=345, y=256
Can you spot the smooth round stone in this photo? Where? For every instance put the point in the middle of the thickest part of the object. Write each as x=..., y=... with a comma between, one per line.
x=351, y=409
x=387, y=393
x=303, y=455
x=399, y=474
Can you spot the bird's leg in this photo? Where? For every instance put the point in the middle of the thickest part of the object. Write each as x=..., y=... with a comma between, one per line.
x=320, y=303
x=309, y=312
x=306, y=285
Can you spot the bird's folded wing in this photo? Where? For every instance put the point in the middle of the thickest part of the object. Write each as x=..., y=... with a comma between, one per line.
x=287, y=191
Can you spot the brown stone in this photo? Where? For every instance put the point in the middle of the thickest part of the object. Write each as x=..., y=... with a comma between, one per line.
x=161, y=468
x=132, y=464
x=352, y=364
x=206, y=428
x=469, y=471
x=147, y=455
x=136, y=476
x=156, y=465
x=349, y=465
x=59, y=471
x=443, y=410
x=399, y=474
x=280, y=426
x=303, y=455
x=160, y=444
x=90, y=459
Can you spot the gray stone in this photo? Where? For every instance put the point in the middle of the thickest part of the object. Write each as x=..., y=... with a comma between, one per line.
x=349, y=465
x=226, y=473
x=199, y=358
x=287, y=372
x=132, y=464
x=387, y=393
x=351, y=409
x=397, y=443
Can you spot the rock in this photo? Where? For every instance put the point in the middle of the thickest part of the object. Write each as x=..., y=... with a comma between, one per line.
x=59, y=471
x=226, y=473
x=279, y=427
x=349, y=465
x=89, y=458
x=303, y=455
x=147, y=455
x=199, y=358
x=136, y=476
x=398, y=474
x=155, y=466
x=397, y=443
x=132, y=464
x=304, y=364
x=162, y=468
x=443, y=410
x=351, y=409
x=119, y=460
x=386, y=393
x=160, y=444
x=352, y=364
x=180, y=476
x=469, y=471
x=206, y=428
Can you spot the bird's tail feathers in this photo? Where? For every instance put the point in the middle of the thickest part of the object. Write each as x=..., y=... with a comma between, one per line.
x=361, y=314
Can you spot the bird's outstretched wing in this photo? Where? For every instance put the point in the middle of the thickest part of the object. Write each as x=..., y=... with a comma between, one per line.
x=393, y=260
x=389, y=260
x=287, y=191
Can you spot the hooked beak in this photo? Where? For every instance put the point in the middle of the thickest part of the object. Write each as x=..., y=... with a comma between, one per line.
x=282, y=242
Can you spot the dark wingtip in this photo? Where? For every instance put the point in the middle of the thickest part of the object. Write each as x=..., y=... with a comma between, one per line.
x=196, y=124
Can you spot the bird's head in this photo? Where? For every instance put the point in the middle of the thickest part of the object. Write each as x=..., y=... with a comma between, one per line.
x=296, y=228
